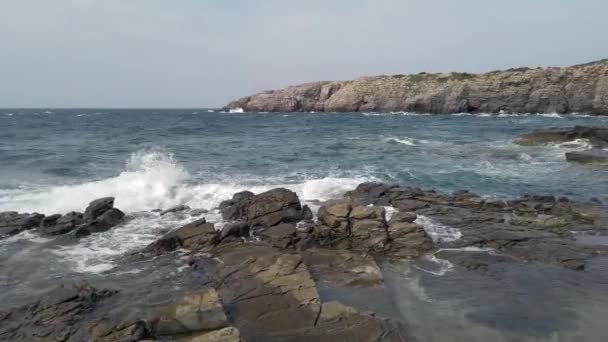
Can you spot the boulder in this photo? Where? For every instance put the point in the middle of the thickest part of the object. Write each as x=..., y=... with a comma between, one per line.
x=594, y=157
x=198, y=311
x=198, y=235
x=368, y=228
x=266, y=209
x=235, y=229
x=234, y=209
x=101, y=223
x=97, y=207
x=174, y=209
x=370, y=193
x=60, y=224
x=12, y=223
x=280, y=236
x=307, y=214
x=273, y=207
x=403, y=217
x=334, y=214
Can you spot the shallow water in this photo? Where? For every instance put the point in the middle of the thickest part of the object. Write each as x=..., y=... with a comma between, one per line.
x=54, y=161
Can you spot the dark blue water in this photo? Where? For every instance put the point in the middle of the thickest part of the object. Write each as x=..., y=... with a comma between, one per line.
x=54, y=161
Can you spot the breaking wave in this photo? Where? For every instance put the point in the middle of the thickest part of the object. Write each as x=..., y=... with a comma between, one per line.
x=153, y=180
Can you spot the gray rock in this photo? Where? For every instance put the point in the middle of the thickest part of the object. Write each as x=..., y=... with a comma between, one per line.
x=57, y=316
x=594, y=157
x=235, y=229
x=102, y=223
x=174, y=209
x=234, y=209
x=597, y=136
x=198, y=311
x=12, y=223
x=60, y=224
x=266, y=209
x=198, y=235
x=97, y=207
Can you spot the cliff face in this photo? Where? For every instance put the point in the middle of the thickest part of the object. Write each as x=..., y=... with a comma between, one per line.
x=576, y=89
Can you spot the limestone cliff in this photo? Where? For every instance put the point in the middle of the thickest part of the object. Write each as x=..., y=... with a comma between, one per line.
x=576, y=89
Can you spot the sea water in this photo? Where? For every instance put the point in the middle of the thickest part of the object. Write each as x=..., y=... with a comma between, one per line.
x=55, y=161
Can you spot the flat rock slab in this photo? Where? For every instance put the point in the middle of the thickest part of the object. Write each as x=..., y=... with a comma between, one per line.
x=270, y=295
x=595, y=157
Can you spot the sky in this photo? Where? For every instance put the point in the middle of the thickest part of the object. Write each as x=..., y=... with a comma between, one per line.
x=203, y=53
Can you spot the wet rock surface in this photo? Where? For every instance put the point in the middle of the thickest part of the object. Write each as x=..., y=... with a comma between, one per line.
x=263, y=275
x=12, y=222
x=266, y=209
x=99, y=216
x=57, y=316
x=594, y=156
x=597, y=136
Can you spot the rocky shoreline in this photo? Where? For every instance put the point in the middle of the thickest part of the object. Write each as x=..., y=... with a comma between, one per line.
x=261, y=271
x=576, y=89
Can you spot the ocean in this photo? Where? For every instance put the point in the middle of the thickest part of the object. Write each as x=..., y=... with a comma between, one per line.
x=57, y=160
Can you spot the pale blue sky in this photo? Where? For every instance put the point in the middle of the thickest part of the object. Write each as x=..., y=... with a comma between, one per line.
x=196, y=53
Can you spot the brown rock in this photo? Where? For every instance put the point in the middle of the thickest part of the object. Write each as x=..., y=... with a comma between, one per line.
x=199, y=311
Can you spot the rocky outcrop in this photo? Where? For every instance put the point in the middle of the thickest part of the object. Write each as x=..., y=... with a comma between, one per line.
x=530, y=229
x=12, y=222
x=198, y=235
x=594, y=156
x=266, y=209
x=60, y=224
x=345, y=224
x=58, y=316
x=597, y=136
x=270, y=295
x=581, y=89
x=199, y=311
x=98, y=217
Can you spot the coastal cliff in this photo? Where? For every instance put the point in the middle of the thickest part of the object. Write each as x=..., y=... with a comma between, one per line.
x=576, y=89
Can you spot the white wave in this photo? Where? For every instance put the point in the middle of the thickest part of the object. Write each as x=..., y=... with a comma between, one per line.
x=461, y=114
x=551, y=115
x=390, y=211
x=26, y=235
x=151, y=181
x=483, y=115
x=9, y=114
x=236, y=110
x=444, y=266
x=411, y=114
x=404, y=141
x=576, y=144
x=97, y=253
x=525, y=156
x=210, y=111
x=437, y=231
x=507, y=115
